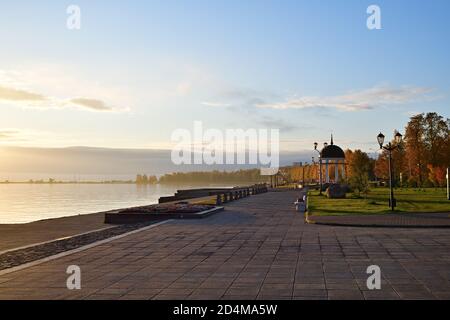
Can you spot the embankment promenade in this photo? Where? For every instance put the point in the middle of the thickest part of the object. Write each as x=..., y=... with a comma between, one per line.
x=258, y=248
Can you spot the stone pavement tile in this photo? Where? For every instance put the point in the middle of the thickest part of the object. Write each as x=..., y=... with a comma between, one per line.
x=409, y=287
x=107, y=291
x=302, y=274
x=245, y=285
x=310, y=280
x=21, y=297
x=212, y=284
x=134, y=297
x=170, y=297
x=362, y=284
x=207, y=294
x=440, y=286
x=279, y=280
x=403, y=281
x=321, y=293
x=442, y=295
x=381, y=295
x=152, y=284
x=242, y=279
x=309, y=298
x=339, y=275
x=4, y=281
x=238, y=297
x=268, y=286
x=335, y=267
x=147, y=293
x=224, y=275
x=183, y=292
x=345, y=295
x=252, y=275
x=286, y=292
x=250, y=291
x=104, y=296
x=308, y=286
x=273, y=297
x=341, y=283
x=180, y=284
x=76, y=294
x=396, y=275
x=416, y=295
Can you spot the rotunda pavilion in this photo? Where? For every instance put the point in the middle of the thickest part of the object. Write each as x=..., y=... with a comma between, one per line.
x=332, y=154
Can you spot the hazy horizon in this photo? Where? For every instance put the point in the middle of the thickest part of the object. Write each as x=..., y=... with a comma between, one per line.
x=88, y=163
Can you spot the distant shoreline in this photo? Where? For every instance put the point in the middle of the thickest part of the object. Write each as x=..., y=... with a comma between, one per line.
x=71, y=182
x=200, y=183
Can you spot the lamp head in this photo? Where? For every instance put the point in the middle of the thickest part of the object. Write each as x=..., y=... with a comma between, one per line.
x=398, y=138
x=380, y=139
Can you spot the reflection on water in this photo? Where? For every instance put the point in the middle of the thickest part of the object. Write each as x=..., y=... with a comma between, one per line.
x=21, y=203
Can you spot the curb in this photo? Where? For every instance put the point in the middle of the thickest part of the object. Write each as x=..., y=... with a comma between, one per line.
x=393, y=226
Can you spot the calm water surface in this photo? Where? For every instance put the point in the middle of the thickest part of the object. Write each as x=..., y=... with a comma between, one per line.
x=22, y=203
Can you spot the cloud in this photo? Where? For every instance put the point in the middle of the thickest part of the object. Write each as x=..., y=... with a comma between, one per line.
x=280, y=124
x=216, y=104
x=93, y=104
x=241, y=99
x=30, y=99
x=365, y=99
x=11, y=94
x=356, y=100
x=8, y=134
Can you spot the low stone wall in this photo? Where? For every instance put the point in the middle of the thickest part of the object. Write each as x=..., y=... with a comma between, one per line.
x=118, y=217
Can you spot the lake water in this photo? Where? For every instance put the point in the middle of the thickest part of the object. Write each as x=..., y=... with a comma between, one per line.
x=22, y=203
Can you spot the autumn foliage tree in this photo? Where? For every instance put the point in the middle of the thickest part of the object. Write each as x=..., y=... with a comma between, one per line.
x=425, y=154
x=360, y=167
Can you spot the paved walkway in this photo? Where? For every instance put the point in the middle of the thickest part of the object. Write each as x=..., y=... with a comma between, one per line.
x=259, y=248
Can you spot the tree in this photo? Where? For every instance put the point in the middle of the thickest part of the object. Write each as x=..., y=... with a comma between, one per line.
x=152, y=180
x=427, y=142
x=436, y=134
x=359, y=166
x=437, y=175
x=399, y=165
x=415, y=149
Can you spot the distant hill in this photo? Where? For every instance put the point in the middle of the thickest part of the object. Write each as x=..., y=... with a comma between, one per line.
x=86, y=163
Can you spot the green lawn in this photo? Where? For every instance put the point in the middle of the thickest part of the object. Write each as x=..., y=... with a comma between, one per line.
x=377, y=202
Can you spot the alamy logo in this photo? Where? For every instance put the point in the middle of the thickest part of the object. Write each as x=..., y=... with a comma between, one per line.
x=74, y=280
x=374, y=280
x=374, y=20
x=74, y=18
x=232, y=147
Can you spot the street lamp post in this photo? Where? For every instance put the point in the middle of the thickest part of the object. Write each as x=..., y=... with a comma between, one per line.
x=320, y=166
x=448, y=185
x=419, y=167
x=390, y=147
x=303, y=173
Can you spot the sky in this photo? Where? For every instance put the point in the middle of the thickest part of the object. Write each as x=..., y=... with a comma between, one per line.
x=138, y=70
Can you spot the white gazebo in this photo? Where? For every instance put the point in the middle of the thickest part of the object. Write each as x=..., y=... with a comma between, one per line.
x=332, y=154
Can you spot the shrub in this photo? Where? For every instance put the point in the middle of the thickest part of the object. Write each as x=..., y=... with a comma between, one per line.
x=360, y=184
